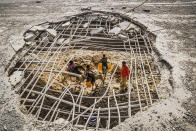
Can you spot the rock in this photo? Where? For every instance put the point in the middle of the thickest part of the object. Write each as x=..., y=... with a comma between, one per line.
x=86, y=8
x=66, y=24
x=90, y=130
x=16, y=77
x=67, y=41
x=85, y=25
x=37, y=28
x=127, y=26
x=124, y=25
x=16, y=42
x=113, y=20
x=45, y=39
x=60, y=41
x=115, y=30
x=29, y=43
x=60, y=121
x=52, y=32
x=123, y=37
x=96, y=31
x=29, y=36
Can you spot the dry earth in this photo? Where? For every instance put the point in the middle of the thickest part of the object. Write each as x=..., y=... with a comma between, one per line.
x=174, y=23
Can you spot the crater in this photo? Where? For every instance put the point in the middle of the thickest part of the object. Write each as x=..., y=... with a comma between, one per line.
x=49, y=91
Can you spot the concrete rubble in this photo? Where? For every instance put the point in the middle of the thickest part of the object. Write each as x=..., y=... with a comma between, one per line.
x=97, y=30
x=115, y=31
x=85, y=25
x=60, y=41
x=36, y=28
x=29, y=36
x=66, y=24
x=52, y=32
x=60, y=121
x=16, y=77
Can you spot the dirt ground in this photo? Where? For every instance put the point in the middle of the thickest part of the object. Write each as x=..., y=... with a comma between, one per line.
x=174, y=23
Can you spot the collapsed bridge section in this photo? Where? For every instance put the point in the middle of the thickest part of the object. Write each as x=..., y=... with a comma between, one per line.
x=49, y=91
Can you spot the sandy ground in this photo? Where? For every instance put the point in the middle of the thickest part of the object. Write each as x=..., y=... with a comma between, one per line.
x=174, y=23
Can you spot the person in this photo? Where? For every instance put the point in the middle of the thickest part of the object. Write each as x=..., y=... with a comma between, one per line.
x=89, y=76
x=92, y=120
x=73, y=68
x=124, y=75
x=104, y=64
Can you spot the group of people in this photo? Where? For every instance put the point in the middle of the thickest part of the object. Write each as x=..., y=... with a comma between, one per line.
x=89, y=76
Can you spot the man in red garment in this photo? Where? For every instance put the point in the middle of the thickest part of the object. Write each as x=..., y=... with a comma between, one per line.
x=124, y=75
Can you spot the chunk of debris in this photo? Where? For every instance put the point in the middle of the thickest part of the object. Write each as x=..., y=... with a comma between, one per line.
x=67, y=41
x=16, y=42
x=66, y=24
x=37, y=28
x=124, y=25
x=127, y=26
x=16, y=77
x=29, y=36
x=96, y=31
x=85, y=25
x=45, y=39
x=60, y=121
x=60, y=41
x=52, y=32
x=86, y=8
x=123, y=36
x=113, y=20
x=115, y=30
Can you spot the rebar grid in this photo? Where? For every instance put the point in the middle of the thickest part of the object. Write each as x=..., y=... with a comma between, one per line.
x=48, y=91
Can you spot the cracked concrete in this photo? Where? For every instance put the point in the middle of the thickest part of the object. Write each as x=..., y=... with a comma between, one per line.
x=172, y=21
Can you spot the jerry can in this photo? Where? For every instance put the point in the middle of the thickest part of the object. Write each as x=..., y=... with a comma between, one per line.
x=88, y=83
x=100, y=67
x=110, y=66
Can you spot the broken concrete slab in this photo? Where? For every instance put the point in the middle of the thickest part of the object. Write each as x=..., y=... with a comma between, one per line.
x=124, y=25
x=16, y=42
x=86, y=8
x=67, y=41
x=127, y=26
x=113, y=20
x=37, y=28
x=16, y=77
x=96, y=31
x=29, y=36
x=60, y=41
x=122, y=36
x=115, y=31
x=66, y=24
x=60, y=121
x=52, y=32
x=85, y=25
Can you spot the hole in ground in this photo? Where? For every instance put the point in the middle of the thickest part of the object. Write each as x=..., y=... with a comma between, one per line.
x=49, y=91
